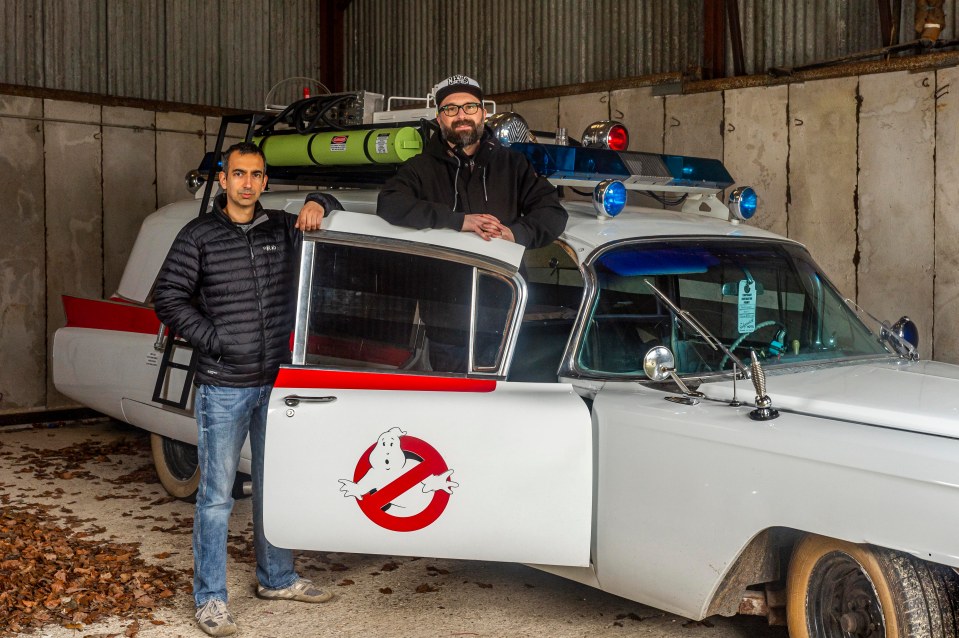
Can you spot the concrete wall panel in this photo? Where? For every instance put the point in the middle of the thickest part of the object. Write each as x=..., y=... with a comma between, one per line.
x=823, y=175
x=129, y=185
x=129, y=117
x=23, y=106
x=22, y=266
x=643, y=114
x=694, y=125
x=74, y=217
x=896, y=192
x=541, y=115
x=757, y=149
x=234, y=133
x=946, y=301
x=181, y=143
x=71, y=111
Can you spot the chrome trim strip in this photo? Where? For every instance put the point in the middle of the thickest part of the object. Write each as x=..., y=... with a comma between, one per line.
x=301, y=326
x=516, y=323
x=770, y=370
x=402, y=246
x=512, y=327
x=474, y=284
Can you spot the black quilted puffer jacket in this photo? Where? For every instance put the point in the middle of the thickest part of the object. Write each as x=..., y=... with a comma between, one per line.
x=232, y=294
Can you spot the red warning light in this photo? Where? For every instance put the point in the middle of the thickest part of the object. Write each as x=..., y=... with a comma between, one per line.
x=618, y=138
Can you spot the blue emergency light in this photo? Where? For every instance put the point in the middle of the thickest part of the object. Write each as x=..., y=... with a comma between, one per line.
x=743, y=202
x=609, y=198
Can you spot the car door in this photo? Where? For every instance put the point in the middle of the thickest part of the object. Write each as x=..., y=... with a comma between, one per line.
x=394, y=432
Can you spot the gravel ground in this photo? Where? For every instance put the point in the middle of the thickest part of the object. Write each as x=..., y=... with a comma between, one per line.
x=376, y=595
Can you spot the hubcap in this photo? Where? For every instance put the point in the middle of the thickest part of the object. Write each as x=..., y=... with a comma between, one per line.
x=841, y=601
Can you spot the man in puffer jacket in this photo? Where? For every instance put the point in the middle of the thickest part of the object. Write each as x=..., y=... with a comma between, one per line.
x=228, y=287
x=467, y=181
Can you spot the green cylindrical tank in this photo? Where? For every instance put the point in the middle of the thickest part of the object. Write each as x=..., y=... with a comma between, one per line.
x=342, y=148
x=393, y=145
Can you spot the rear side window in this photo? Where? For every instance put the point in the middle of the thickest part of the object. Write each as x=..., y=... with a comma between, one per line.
x=381, y=309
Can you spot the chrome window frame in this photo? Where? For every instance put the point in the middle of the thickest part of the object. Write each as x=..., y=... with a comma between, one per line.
x=569, y=367
x=480, y=265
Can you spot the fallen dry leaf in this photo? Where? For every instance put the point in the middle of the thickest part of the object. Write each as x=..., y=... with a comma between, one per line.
x=54, y=574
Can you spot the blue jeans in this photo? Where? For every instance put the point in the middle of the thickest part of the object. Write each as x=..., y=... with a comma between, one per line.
x=224, y=418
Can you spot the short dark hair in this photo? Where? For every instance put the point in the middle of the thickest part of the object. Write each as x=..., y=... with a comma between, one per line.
x=243, y=148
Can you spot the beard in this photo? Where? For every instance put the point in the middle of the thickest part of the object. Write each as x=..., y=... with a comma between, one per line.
x=464, y=137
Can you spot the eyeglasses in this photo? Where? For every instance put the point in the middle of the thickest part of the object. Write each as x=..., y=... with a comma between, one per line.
x=450, y=110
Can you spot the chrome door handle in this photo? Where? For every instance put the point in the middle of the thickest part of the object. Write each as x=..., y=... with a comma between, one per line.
x=293, y=400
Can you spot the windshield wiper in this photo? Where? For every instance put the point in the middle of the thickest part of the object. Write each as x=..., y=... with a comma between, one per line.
x=690, y=321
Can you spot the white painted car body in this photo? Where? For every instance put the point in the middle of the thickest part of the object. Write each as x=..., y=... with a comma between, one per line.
x=597, y=479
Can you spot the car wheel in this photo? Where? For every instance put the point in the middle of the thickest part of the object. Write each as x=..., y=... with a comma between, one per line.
x=177, y=466
x=843, y=590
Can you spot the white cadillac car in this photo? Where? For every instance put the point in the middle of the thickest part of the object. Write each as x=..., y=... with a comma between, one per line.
x=666, y=404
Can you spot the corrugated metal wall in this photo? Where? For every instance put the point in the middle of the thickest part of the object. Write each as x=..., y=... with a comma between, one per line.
x=403, y=46
x=223, y=53
x=796, y=32
x=229, y=53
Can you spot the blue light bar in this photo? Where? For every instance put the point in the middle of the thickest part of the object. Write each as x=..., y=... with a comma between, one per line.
x=651, y=169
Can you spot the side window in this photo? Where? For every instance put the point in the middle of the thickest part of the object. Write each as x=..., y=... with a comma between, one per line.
x=625, y=323
x=555, y=286
x=374, y=308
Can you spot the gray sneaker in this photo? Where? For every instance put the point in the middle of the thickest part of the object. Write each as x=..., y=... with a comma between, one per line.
x=302, y=590
x=214, y=618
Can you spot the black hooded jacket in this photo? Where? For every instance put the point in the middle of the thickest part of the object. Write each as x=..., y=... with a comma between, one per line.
x=437, y=188
x=231, y=294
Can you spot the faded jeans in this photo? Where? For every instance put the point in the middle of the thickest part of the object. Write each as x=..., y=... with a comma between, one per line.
x=224, y=417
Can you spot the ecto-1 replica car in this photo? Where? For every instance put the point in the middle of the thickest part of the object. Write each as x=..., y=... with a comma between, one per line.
x=665, y=403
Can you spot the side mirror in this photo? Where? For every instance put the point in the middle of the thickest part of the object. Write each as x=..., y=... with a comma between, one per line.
x=907, y=330
x=658, y=363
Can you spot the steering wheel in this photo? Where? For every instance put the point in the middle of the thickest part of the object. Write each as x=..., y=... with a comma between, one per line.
x=744, y=336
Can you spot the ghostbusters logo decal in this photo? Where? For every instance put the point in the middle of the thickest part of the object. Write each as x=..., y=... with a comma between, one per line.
x=401, y=482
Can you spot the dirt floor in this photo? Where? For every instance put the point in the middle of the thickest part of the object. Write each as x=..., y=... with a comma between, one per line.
x=109, y=555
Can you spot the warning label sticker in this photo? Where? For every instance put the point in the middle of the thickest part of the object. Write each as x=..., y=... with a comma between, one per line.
x=338, y=142
x=382, y=146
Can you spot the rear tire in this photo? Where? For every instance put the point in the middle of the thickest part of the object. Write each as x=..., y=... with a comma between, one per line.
x=837, y=589
x=177, y=465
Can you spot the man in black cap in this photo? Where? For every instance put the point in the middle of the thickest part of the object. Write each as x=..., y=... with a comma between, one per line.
x=466, y=181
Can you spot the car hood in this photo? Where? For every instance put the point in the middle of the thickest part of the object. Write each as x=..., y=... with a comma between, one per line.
x=921, y=396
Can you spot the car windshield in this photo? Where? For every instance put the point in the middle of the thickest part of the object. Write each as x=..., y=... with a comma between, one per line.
x=760, y=296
